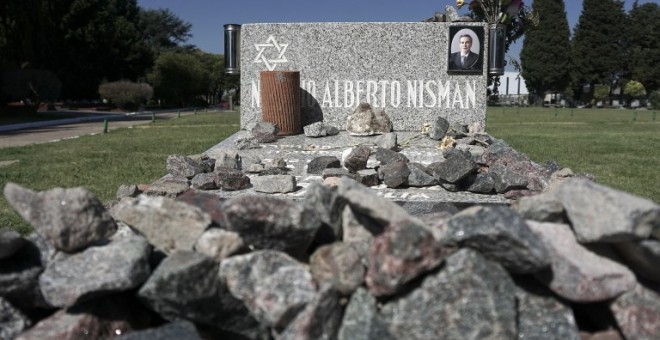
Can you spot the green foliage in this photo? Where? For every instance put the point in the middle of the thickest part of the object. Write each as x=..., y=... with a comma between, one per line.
x=643, y=44
x=218, y=81
x=103, y=42
x=162, y=30
x=30, y=86
x=601, y=93
x=654, y=99
x=634, y=89
x=125, y=93
x=177, y=77
x=545, y=55
x=599, y=42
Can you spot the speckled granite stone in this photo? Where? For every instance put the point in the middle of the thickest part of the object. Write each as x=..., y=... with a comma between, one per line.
x=401, y=67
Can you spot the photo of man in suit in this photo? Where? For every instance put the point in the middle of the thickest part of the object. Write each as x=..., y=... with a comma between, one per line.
x=465, y=58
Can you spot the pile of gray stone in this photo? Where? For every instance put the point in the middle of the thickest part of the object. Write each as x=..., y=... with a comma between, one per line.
x=466, y=161
x=578, y=261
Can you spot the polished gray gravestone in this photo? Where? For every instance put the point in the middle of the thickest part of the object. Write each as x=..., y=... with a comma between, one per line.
x=401, y=67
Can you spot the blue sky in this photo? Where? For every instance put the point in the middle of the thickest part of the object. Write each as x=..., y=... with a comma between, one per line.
x=208, y=16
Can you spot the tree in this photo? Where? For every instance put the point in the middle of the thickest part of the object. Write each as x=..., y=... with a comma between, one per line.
x=545, y=55
x=218, y=82
x=599, y=43
x=103, y=42
x=30, y=34
x=643, y=44
x=178, y=77
x=162, y=30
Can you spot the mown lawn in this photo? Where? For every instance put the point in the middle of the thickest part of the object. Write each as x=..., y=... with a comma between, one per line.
x=103, y=162
x=621, y=148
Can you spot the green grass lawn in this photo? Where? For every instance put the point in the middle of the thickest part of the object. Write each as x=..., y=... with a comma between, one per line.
x=621, y=148
x=103, y=162
x=618, y=151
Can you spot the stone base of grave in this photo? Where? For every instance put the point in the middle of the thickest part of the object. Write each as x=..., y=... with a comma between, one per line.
x=298, y=150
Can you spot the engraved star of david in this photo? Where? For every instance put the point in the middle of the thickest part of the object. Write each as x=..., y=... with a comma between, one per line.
x=271, y=63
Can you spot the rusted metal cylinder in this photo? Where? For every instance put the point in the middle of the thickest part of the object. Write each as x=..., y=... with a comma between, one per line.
x=280, y=100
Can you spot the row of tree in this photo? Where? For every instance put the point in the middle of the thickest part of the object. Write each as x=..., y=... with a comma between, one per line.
x=609, y=47
x=64, y=49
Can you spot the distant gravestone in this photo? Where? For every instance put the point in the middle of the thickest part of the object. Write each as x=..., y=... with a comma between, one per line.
x=402, y=68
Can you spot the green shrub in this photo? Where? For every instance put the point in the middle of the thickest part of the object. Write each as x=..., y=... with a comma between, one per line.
x=634, y=89
x=654, y=98
x=126, y=94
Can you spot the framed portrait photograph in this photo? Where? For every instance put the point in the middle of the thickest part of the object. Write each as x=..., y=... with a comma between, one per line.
x=466, y=50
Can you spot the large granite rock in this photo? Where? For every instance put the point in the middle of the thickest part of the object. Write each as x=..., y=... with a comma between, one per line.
x=69, y=219
x=272, y=223
x=265, y=132
x=578, y=274
x=320, y=319
x=542, y=208
x=500, y=234
x=363, y=201
x=273, y=286
x=204, y=181
x=418, y=176
x=182, y=166
x=167, y=187
x=218, y=244
x=394, y=174
x=366, y=121
x=637, y=313
x=399, y=255
x=385, y=156
x=601, y=214
x=231, y=179
x=361, y=319
x=187, y=285
x=118, y=266
x=470, y=298
x=455, y=167
x=319, y=129
x=327, y=205
x=541, y=315
x=167, y=224
x=439, y=129
x=339, y=265
x=318, y=164
x=225, y=159
x=357, y=159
